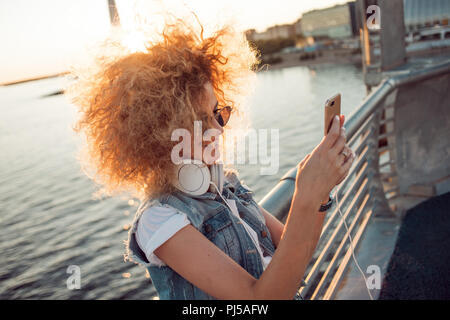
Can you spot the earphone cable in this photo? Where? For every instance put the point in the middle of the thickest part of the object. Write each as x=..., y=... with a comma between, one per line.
x=345, y=225
x=232, y=220
x=226, y=202
x=218, y=192
x=352, y=247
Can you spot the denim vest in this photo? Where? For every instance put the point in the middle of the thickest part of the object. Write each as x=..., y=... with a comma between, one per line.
x=209, y=215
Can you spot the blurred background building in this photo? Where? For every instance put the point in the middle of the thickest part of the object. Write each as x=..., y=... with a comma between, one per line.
x=284, y=31
x=340, y=22
x=335, y=22
x=421, y=14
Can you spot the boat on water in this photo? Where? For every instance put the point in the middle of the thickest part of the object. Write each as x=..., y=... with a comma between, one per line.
x=395, y=203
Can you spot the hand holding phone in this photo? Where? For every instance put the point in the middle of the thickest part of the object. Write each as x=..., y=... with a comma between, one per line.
x=332, y=109
x=329, y=163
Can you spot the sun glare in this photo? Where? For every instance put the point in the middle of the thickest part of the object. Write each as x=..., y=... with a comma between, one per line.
x=134, y=41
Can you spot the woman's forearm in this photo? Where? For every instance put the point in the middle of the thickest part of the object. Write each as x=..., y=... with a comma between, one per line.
x=317, y=231
x=317, y=226
x=320, y=217
x=282, y=276
x=276, y=227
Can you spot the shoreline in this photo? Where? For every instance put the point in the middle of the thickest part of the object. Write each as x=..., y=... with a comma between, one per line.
x=293, y=60
x=343, y=56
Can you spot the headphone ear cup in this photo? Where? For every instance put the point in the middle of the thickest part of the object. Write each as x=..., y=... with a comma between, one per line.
x=193, y=179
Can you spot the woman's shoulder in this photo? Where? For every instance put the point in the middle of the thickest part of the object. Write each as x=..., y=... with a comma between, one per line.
x=157, y=214
x=157, y=224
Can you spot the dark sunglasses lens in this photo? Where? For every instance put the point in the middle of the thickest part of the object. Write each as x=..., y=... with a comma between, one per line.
x=220, y=119
x=223, y=116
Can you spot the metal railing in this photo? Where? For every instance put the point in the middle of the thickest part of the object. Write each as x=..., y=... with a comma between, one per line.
x=363, y=194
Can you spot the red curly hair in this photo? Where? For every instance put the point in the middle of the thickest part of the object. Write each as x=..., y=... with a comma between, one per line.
x=130, y=103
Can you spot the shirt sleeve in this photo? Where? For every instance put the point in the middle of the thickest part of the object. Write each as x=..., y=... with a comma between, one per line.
x=156, y=225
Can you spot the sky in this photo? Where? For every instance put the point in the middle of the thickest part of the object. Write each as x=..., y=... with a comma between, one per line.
x=45, y=37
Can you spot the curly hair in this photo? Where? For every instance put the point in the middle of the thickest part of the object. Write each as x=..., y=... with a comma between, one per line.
x=130, y=103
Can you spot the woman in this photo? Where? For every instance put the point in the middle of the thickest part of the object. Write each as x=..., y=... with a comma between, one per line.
x=219, y=244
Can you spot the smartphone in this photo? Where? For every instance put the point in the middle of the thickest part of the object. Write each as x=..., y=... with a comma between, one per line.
x=332, y=108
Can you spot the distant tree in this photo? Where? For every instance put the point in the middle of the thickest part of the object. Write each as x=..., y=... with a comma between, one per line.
x=272, y=45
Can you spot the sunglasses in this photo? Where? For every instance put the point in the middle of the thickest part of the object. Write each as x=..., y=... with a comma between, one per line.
x=222, y=115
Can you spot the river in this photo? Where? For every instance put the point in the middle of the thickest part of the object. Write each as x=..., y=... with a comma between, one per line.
x=48, y=218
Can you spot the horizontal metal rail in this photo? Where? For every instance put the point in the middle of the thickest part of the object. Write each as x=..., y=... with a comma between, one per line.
x=334, y=285
x=332, y=265
x=331, y=258
x=330, y=244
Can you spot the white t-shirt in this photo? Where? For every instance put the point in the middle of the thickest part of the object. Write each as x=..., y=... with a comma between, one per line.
x=159, y=223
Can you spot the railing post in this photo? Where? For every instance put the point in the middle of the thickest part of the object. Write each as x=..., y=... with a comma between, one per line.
x=380, y=206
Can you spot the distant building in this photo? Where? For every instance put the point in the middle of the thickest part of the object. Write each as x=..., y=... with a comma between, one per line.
x=298, y=28
x=284, y=31
x=334, y=22
x=421, y=14
x=281, y=31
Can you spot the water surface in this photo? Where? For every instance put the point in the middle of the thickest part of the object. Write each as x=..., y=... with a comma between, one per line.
x=48, y=218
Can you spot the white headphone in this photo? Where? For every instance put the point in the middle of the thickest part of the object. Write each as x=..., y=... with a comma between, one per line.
x=195, y=178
